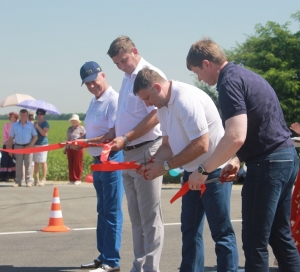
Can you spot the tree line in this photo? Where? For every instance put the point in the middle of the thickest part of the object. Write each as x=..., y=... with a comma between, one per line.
x=273, y=52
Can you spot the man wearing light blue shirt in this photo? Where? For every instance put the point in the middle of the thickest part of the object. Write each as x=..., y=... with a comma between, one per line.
x=23, y=135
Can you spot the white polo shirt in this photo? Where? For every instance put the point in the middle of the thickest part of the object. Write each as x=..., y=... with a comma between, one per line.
x=190, y=114
x=100, y=117
x=131, y=109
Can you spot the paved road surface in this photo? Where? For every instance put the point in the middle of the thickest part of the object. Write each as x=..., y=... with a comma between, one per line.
x=25, y=211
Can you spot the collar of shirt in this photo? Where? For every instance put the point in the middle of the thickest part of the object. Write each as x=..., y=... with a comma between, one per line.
x=172, y=97
x=27, y=122
x=142, y=63
x=103, y=96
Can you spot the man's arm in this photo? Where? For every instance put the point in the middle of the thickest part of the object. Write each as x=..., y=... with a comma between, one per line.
x=192, y=151
x=231, y=142
x=143, y=127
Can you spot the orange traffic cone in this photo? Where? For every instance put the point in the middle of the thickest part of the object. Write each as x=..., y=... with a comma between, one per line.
x=56, y=222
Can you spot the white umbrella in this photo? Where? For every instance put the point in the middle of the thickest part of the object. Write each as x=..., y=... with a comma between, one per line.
x=15, y=99
x=39, y=104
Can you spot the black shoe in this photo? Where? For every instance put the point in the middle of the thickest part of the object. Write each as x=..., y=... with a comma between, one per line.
x=95, y=264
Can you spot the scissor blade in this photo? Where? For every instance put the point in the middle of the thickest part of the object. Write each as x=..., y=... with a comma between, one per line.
x=145, y=160
x=211, y=180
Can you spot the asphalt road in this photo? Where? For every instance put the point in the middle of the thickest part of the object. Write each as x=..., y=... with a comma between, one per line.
x=25, y=248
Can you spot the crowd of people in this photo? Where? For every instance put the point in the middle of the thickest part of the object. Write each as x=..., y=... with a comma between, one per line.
x=172, y=124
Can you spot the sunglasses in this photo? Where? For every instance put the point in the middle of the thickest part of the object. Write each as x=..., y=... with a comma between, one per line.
x=39, y=113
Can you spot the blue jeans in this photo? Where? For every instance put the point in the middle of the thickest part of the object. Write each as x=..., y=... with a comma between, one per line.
x=266, y=211
x=215, y=203
x=110, y=191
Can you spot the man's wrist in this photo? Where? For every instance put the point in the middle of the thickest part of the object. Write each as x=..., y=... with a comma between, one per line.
x=125, y=140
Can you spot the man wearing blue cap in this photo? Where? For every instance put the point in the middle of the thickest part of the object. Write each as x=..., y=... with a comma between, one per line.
x=99, y=123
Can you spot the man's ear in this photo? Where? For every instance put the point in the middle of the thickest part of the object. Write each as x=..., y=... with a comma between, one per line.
x=134, y=51
x=157, y=86
x=205, y=64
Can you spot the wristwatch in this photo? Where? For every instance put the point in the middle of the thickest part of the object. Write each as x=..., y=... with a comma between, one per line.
x=166, y=166
x=202, y=171
x=126, y=140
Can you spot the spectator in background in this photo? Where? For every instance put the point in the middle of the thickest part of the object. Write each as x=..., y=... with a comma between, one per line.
x=31, y=117
x=23, y=135
x=40, y=158
x=7, y=170
x=295, y=127
x=75, y=154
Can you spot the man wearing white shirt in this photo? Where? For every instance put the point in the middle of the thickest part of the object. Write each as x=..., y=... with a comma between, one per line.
x=139, y=135
x=99, y=123
x=191, y=129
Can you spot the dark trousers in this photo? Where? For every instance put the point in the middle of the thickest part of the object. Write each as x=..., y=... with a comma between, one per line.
x=8, y=167
x=266, y=211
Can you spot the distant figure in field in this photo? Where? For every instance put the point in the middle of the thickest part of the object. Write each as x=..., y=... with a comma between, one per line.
x=23, y=135
x=74, y=154
x=7, y=170
x=40, y=158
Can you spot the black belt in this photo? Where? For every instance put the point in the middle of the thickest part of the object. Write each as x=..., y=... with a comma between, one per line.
x=22, y=144
x=127, y=148
x=96, y=157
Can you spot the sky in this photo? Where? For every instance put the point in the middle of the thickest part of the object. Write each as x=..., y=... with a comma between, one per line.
x=43, y=43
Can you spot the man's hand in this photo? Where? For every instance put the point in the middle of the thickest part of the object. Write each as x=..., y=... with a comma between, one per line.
x=230, y=170
x=117, y=144
x=152, y=170
x=295, y=127
x=196, y=180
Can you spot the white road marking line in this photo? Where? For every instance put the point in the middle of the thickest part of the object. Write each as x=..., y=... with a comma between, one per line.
x=18, y=232
x=84, y=229
x=78, y=229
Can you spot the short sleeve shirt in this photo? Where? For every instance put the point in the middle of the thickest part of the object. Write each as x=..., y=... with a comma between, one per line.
x=22, y=134
x=242, y=91
x=190, y=114
x=42, y=140
x=132, y=110
x=74, y=133
x=101, y=117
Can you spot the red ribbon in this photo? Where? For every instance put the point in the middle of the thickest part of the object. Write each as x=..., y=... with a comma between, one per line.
x=105, y=166
x=184, y=189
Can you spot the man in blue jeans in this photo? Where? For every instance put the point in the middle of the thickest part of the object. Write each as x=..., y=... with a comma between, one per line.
x=191, y=129
x=256, y=131
x=99, y=123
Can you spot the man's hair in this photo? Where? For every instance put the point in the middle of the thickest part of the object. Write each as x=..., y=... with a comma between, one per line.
x=23, y=111
x=120, y=43
x=145, y=79
x=204, y=49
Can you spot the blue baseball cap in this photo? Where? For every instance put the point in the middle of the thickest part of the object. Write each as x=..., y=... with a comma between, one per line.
x=89, y=71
